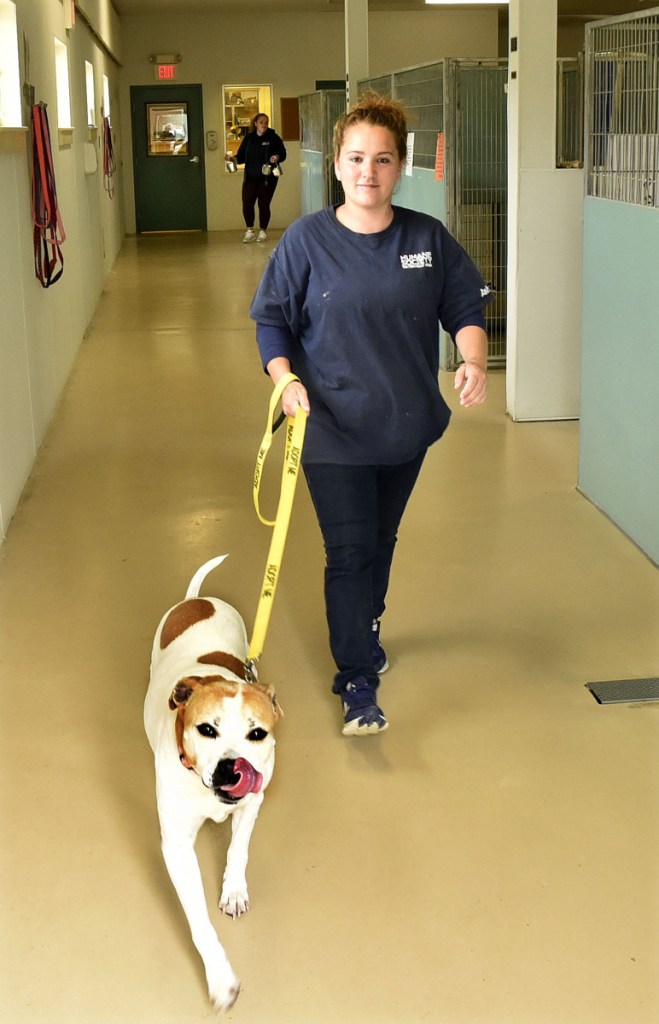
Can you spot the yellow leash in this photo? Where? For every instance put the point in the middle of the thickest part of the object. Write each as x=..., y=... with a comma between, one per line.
x=295, y=428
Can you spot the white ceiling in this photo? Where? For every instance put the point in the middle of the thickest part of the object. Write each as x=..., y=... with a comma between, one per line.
x=586, y=9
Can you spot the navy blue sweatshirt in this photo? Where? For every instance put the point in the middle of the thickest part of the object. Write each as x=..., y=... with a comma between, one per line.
x=357, y=316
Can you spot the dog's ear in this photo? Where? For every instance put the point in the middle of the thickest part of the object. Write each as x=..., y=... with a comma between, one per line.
x=183, y=691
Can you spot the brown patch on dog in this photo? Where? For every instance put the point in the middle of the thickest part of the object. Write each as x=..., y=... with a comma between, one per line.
x=196, y=695
x=223, y=660
x=183, y=617
x=254, y=694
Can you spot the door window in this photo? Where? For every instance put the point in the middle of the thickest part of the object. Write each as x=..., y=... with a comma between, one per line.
x=167, y=129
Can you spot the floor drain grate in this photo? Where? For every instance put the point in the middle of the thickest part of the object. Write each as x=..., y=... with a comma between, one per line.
x=625, y=691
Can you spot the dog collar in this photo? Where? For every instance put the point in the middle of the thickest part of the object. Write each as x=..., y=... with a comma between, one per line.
x=182, y=756
x=245, y=670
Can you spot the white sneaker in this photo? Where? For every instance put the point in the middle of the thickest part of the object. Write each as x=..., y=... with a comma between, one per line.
x=249, y=236
x=261, y=236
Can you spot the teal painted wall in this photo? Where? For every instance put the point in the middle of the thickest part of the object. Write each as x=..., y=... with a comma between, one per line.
x=312, y=184
x=619, y=434
x=423, y=193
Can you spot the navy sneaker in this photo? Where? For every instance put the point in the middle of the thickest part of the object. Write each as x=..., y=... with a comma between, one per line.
x=380, y=662
x=361, y=714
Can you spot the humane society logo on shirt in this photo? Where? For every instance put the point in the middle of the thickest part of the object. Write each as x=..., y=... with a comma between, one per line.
x=416, y=260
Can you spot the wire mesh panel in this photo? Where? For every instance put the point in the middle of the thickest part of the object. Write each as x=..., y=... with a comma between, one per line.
x=382, y=85
x=622, y=109
x=319, y=112
x=311, y=122
x=477, y=175
x=335, y=106
x=422, y=91
x=569, y=111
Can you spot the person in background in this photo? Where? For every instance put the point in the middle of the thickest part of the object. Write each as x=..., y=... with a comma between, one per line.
x=350, y=302
x=261, y=151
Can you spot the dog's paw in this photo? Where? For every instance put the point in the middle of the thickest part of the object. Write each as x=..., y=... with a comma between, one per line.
x=224, y=998
x=235, y=903
x=223, y=992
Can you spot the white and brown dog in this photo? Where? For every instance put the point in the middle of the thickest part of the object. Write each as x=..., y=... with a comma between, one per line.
x=212, y=735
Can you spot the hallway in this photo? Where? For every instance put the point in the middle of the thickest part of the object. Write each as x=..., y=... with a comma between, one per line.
x=491, y=859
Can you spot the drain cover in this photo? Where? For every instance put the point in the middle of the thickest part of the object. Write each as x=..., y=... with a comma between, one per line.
x=625, y=691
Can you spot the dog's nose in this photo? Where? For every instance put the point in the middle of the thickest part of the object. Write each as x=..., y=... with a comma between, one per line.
x=235, y=778
x=224, y=774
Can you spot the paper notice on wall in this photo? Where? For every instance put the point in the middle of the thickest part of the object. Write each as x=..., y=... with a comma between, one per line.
x=439, y=157
x=409, y=163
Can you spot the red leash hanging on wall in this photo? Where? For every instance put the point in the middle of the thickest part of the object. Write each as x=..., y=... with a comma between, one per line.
x=48, y=228
x=109, y=165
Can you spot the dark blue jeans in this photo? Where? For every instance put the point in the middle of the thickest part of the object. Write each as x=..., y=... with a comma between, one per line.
x=359, y=509
x=258, y=191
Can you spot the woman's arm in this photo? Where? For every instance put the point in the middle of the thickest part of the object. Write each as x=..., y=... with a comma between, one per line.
x=242, y=150
x=471, y=375
x=280, y=150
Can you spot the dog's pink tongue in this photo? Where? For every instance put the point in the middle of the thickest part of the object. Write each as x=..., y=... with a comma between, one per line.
x=249, y=780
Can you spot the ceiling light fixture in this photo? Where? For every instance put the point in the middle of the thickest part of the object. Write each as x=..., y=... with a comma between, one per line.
x=468, y=3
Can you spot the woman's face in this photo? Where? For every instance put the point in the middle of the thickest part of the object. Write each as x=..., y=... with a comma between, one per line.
x=368, y=166
x=261, y=124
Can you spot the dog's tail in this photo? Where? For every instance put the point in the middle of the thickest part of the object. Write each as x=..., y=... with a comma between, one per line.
x=201, y=574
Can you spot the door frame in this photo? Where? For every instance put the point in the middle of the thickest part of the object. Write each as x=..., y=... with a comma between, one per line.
x=140, y=96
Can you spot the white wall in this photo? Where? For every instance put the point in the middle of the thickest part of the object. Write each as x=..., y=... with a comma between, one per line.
x=290, y=52
x=41, y=329
x=545, y=231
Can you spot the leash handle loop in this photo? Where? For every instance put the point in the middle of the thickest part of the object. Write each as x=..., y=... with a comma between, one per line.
x=266, y=443
x=295, y=429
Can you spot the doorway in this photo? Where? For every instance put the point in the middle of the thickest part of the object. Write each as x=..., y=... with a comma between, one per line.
x=168, y=158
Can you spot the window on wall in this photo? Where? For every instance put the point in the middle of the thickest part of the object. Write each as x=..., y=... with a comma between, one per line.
x=10, y=88
x=241, y=103
x=90, y=93
x=62, y=82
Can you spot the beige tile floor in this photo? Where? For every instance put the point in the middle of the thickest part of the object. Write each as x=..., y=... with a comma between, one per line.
x=492, y=859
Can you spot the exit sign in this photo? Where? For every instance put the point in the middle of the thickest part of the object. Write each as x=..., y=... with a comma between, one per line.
x=165, y=72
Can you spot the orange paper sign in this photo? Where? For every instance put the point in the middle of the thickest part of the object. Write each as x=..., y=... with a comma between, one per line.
x=439, y=157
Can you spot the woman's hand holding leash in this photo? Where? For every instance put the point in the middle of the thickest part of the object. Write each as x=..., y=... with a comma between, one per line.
x=295, y=393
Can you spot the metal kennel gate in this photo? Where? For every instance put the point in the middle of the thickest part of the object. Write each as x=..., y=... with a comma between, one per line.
x=477, y=179
x=569, y=111
x=465, y=102
x=318, y=113
x=622, y=109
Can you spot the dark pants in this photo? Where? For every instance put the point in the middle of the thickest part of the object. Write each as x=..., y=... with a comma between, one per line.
x=359, y=509
x=258, y=191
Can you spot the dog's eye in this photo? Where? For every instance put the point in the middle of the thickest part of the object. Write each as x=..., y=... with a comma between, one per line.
x=207, y=730
x=256, y=735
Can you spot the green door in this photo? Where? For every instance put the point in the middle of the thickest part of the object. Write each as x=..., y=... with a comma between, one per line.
x=168, y=157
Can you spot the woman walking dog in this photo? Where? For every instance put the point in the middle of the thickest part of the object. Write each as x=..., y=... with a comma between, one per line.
x=350, y=302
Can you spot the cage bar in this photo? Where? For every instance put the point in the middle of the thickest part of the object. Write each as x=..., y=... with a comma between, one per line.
x=622, y=109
